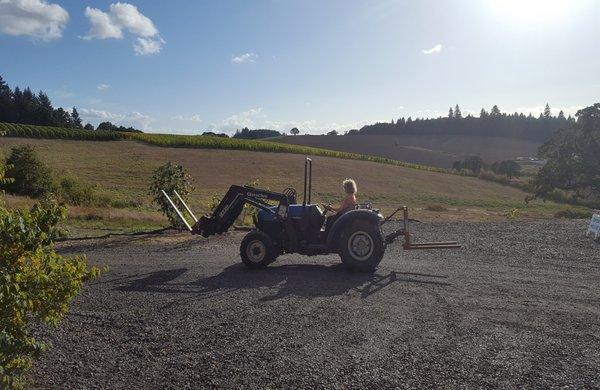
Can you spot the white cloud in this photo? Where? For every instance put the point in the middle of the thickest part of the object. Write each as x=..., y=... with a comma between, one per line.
x=146, y=46
x=135, y=119
x=246, y=57
x=192, y=118
x=103, y=26
x=124, y=16
x=128, y=16
x=103, y=87
x=436, y=49
x=36, y=18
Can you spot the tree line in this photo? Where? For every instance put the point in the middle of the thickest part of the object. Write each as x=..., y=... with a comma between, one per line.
x=493, y=123
x=27, y=107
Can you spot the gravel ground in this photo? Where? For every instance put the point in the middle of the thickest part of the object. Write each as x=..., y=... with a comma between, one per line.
x=518, y=306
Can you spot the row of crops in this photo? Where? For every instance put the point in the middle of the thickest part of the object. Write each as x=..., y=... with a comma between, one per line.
x=192, y=141
x=33, y=131
x=208, y=142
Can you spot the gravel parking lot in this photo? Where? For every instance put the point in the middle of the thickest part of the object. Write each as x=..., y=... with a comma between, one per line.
x=518, y=306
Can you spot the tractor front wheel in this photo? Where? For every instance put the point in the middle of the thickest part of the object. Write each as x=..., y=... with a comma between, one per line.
x=256, y=250
x=362, y=248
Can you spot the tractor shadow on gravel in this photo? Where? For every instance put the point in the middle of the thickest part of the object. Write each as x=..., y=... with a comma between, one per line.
x=301, y=280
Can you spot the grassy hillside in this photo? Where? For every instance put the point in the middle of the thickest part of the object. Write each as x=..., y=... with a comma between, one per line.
x=121, y=171
x=431, y=150
x=193, y=141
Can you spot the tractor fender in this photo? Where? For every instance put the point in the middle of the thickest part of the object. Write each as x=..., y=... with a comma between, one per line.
x=348, y=218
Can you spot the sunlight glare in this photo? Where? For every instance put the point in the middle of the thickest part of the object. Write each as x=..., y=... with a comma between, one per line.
x=533, y=11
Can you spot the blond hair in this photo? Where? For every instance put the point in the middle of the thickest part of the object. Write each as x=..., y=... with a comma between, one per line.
x=350, y=186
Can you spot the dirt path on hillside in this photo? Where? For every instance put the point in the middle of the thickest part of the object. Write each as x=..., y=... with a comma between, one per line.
x=519, y=306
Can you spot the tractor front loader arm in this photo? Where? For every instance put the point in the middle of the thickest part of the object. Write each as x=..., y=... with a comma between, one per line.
x=230, y=207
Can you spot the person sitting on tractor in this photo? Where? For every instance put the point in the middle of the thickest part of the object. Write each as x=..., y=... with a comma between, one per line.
x=349, y=202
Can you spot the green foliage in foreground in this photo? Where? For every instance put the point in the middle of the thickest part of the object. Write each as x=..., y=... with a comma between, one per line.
x=204, y=142
x=37, y=284
x=33, y=131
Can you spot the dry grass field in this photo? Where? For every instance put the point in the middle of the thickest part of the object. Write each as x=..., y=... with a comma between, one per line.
x=121, y=170
x=436, y=150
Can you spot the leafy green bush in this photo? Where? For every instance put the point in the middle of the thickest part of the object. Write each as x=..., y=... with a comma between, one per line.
x=30, y=176
x=170, y=177
x=36, y=284
x=74, y=192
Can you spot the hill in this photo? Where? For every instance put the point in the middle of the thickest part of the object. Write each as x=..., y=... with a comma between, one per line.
x=433, y=150
x=121, y=171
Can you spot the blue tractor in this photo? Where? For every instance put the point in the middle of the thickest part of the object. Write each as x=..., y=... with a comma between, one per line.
x=282, y=225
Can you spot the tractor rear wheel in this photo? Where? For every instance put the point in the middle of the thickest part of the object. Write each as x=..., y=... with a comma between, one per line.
x=257, y=250
x=362, y=248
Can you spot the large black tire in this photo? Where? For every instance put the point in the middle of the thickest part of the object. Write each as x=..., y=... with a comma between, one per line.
x=257, y=250
x=361, y=247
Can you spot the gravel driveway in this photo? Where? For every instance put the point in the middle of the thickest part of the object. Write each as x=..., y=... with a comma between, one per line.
x=518, y=306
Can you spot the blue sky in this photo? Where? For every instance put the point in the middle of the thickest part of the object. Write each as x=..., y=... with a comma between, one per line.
x=188, y=66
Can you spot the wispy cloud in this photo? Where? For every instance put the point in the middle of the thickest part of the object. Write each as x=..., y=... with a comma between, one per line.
x=257, y=118
x=246, y=57
x=135, y=119
x=192, y=118
x=124, y=16
x=436, y=49
x=103, y=87
x=34, y=18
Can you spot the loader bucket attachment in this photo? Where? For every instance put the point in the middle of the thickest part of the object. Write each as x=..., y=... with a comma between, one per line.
x=408, y=244
x=185, y=222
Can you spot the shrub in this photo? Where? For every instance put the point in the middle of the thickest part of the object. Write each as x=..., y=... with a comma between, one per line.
x=513, y=213
x=37, y=284
x=436, y=207
x=170, y=177
x=74, y=192
x=30, y=176
x=573, y=214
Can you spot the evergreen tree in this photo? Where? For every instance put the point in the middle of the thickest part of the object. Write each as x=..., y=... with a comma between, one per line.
x=457, y=113
x=483, y=114
x=6, y=104
x=495, y=112
x=547, y=112
x=45, y=110
x=75, y=119
x=561, y=115
x=450, y=113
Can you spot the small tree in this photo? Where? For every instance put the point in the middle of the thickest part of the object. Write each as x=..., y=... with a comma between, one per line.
x=170, y=177
x=88, y=126
x=30, y=176
x=333, y=132
x=295, y=131
x=509, y=168
x=37, y=284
